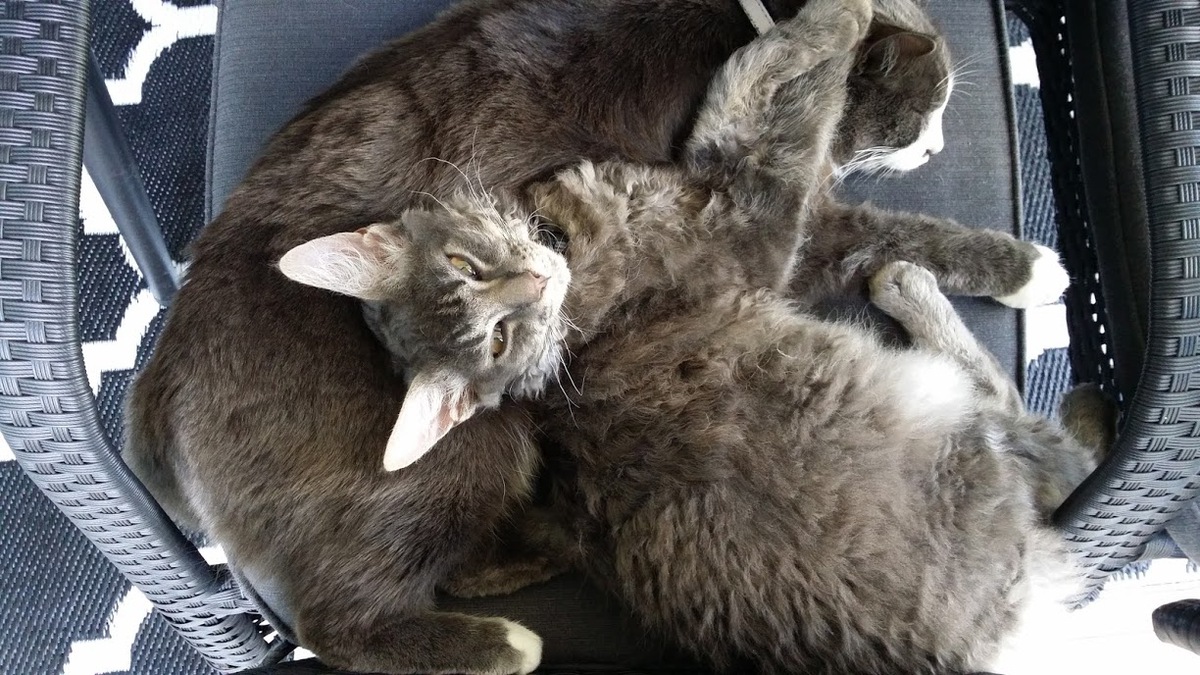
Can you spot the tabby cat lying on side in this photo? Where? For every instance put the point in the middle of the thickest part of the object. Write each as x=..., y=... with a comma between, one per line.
x=262, y=415
x=769, y=490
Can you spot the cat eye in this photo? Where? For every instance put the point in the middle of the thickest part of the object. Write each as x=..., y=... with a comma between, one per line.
x=463, y=266
x=498, y=343
x=550, y=235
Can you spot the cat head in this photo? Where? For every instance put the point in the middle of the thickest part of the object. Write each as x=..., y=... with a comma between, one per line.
x=467, y=296
x=897, y=93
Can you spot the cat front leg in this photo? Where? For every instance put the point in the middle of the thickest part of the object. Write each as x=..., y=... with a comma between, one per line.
x=428, y=642
x=371, y=609
x=910, y=294
x=849, y=243
x=762, y=142
x=740, y=105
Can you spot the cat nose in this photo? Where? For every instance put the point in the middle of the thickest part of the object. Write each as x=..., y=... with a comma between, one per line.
x=538, y=281
x=521, y=290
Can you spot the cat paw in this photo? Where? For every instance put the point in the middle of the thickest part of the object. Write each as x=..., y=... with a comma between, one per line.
x=526, y=643
x=863, y=12
x=900, y=287
x=909, y=294
x=1047, y=281
x=832, y=17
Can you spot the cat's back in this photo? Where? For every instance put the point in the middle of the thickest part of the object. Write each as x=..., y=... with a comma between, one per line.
x=495, y=91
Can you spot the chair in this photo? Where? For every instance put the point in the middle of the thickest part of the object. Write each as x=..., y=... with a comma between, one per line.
x=1125, y=179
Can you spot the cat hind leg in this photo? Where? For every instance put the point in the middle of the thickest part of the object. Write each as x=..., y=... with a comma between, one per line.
x=1053, y=461
x=909, y=293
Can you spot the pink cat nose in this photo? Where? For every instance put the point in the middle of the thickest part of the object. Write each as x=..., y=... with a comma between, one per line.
x=539, y=281
x=520, y=290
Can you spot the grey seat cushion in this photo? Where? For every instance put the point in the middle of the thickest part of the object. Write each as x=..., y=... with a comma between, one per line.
x=272, y=55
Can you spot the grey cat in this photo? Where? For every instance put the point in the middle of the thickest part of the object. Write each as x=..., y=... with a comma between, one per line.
x=766, y=489
x=262, y=416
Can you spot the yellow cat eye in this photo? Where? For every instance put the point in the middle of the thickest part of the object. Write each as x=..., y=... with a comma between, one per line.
x=463, y=266
x=498, y=341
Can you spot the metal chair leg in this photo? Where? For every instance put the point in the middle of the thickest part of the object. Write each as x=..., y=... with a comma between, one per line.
x=109, y=161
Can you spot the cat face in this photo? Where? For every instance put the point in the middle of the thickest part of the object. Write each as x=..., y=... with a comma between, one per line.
x=897, y=96
x=468, y=296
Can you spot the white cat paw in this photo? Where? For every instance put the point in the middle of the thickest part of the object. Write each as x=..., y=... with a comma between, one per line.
x=528, y=645
x=1047, y=281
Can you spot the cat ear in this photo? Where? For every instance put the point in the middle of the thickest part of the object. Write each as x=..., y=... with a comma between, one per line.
x=350, y=263
x=433, y=405
x=887, y=46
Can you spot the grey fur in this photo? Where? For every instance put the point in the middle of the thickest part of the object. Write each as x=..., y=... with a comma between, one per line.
x=263, y=413
x=768, y=490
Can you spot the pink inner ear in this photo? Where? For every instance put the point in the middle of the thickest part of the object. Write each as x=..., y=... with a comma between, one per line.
x=350, y=263
x=913, y=45
x=433, y=405
x=382, y=239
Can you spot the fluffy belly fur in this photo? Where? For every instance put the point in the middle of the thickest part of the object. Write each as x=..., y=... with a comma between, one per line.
x=823, y=504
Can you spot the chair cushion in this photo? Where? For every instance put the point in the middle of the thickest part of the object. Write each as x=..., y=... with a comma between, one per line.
x=272, y=55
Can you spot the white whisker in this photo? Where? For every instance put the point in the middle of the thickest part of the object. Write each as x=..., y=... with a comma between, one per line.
x=451, y=165
x=867, y=160
x=430, y=195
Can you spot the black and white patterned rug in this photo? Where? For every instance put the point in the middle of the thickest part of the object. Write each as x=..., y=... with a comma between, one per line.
x=64, y=610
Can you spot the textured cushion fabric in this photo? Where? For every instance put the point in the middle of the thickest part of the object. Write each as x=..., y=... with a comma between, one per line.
x=272, y=55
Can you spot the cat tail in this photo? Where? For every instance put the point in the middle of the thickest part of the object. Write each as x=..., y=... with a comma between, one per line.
x=1055, y=578
x=149, y=448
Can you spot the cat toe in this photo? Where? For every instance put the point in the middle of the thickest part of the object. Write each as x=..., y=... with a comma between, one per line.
x=526, y=643
x=863, y=12
x=904, y=291
x=900, y=279
x=1047, y=281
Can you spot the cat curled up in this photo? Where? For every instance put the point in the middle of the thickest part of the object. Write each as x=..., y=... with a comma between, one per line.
x=773, y=492
x=262, y=416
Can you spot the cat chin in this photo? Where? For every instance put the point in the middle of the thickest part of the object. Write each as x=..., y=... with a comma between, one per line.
x=531, y=383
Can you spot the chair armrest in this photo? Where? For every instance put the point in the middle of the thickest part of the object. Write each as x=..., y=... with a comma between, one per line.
x=1154, y=468
x=47, y=410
